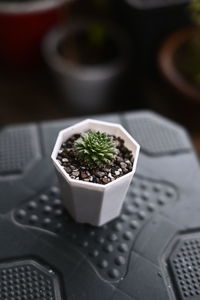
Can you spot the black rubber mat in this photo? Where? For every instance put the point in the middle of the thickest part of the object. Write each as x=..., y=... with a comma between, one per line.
x=150, y=252
x=185, y=266
x=27, y=280
x=18, y=149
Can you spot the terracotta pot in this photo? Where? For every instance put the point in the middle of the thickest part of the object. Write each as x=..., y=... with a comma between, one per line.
x=23, y=25
x=167, y=64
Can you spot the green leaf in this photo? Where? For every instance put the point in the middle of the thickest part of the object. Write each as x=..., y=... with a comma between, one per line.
x=94, y=149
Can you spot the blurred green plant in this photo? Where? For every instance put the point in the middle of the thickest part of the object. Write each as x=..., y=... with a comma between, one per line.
x=194, y=8
x=192, y=61
x=97, y=33
x=95, y=149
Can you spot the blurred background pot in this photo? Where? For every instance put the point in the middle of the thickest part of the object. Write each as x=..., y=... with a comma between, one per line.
x=23, y=25
x=171, y=56
x=89, y=79
x=148, y=22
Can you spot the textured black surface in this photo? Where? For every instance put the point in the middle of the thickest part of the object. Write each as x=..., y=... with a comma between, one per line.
x=138, y=256
x=27, y=280
x=18, y=149
x=157, y=136
x=108, y=248
x=184, y=267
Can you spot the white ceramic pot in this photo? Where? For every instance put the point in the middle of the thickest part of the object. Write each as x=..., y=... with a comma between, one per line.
x=89, y=202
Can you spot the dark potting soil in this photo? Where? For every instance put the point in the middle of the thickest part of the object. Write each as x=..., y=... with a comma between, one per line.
x=79, y=49
x=121, y=164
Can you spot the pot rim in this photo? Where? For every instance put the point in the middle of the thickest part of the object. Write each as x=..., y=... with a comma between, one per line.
x=167, y=65
x=85, y=72
x=30, y=7
x=91, y=185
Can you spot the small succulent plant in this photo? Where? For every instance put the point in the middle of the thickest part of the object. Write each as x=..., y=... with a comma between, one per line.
x=95, y=149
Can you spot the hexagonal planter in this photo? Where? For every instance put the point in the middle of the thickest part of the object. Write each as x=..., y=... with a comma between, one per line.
x=89, y=202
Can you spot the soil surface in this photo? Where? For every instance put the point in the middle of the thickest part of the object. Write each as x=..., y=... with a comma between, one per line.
x=119, y=166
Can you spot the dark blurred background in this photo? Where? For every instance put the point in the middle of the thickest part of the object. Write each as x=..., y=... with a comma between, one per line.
x=37, y=87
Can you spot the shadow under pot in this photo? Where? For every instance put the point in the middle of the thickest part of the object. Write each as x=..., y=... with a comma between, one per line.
x=90, y=63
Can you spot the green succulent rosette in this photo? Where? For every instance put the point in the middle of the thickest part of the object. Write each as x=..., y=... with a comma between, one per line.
x=95, y=149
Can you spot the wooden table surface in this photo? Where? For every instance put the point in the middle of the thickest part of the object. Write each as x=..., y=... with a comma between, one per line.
x=31, y=95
